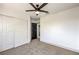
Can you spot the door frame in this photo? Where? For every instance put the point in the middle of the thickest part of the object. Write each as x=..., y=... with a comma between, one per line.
x=29, y=28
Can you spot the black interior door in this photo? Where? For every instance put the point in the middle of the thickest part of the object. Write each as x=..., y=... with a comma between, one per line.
x=34, y=30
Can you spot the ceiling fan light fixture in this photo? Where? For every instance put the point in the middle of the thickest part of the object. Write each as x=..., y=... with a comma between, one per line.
x=37, y=12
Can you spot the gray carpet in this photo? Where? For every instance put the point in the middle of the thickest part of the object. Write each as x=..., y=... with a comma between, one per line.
x=38, y=48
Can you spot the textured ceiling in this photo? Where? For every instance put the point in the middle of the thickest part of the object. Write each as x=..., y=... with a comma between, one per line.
x=19, y=8
x=58, y=7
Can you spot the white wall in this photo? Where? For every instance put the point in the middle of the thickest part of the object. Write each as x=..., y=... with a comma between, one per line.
x=35, y=20
x=14, y=26
x=61, y=29
x=21, y=32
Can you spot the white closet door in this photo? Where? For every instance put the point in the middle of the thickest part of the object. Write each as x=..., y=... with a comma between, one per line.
x=0, y=33
x=8, y=34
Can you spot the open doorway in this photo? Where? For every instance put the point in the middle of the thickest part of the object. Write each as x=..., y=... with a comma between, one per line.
x=35, y=29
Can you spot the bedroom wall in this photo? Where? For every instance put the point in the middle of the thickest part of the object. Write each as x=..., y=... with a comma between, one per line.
x=14, y=26
x=61, y=29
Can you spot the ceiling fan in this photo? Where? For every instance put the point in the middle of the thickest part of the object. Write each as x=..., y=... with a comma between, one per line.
x=37, y=8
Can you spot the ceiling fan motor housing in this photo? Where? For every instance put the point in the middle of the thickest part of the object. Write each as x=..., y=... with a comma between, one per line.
x=37, y=5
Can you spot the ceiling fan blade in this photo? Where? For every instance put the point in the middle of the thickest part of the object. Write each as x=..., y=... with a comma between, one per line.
x=43, y=11
x=33, y=6
x=42, y=5
x=30, y=10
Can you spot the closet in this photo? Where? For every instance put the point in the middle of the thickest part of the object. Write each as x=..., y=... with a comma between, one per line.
x=13, y=32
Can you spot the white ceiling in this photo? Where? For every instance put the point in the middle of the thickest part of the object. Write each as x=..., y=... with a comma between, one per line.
x=19, y=8
x=55, y=7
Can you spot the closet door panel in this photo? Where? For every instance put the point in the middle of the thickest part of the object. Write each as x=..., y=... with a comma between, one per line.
x=8, y=34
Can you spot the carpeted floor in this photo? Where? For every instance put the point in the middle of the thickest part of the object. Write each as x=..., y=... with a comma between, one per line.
x=38, y=48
